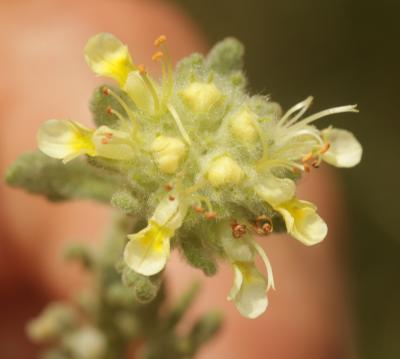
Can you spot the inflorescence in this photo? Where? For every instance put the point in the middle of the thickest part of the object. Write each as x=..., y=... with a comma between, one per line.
x=206, y=166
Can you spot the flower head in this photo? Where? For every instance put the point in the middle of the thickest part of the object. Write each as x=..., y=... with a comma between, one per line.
x=208, y=165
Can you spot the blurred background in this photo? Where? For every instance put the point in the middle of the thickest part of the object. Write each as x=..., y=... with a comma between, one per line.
x=341, y=52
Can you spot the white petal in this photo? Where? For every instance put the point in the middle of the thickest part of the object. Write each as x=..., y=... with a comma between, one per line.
x=276, y=190
x=63, y=139
x=148, y=250
x=251, y=300
x=344, y=151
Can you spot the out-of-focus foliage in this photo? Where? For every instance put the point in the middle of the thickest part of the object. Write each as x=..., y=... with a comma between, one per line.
x=343, y=52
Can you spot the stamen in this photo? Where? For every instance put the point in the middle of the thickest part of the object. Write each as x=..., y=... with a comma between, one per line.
x=111, y=111
x=171, y=198
x=160, y=40
x=324, y=148
x=105, y=141
x=315, y=163
x=157, y=56
x=210, y=215
x=238, y=230
x=307, y=157
x=267, y=263
x=199, y=209
x=168, y=187
x=150, y=86
x=303, y=106
x=307, y=168
x=307, y=103
x=124, y=106
x=328, y=112
x=106, y=91
x=178, y=122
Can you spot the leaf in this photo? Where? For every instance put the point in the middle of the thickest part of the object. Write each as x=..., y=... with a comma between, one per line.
x=38, y=173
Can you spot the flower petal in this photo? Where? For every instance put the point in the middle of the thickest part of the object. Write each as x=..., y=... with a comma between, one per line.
x=344, y=151
x=303, y=222
x=276, y=190
x=113, y=144
x=251, y=300
x=139, y=92
x=108, y=56
x=65, y=140
x=237, y=249
x=148, y=250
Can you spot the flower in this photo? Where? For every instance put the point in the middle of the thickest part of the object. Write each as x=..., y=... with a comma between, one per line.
x=65, y=140
x=200, y=153
x=108, y=56
x=148, y=250
x=344, y=149
x=303, y=222
x=250, y=287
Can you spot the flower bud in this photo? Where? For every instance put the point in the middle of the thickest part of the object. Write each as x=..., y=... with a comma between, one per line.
x=223, y=171
x=201, y=97
x=168, y=153
x=242, y=126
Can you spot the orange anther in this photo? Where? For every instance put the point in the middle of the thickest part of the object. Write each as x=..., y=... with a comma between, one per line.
x=307, y=168
x=307, y=157
x=324, y=148
x=210, y=215
x=267, y=228
x=199, y=209
x=104, y=141
x=238, y=230
x=106, y=91
x=109, y=110
x=315, y=164
x=157, y=56
x=108, y=135
x=168, y=187
x=160, y=40
x=171, y=198
x=142, y=69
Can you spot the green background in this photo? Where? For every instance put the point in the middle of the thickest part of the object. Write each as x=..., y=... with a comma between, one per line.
x=342, y=52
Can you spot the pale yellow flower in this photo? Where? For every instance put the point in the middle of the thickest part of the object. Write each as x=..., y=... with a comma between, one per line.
x=302, y=221
x=108, y=56
x=148, y=250
x=275, y=190
x=65, y=140
x=344, y=149
x=201, y=97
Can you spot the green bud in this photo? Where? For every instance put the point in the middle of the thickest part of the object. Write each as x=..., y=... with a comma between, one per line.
x=124, y=201
x=226, y=56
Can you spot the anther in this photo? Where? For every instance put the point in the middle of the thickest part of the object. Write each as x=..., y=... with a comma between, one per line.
x=168, y=187
x=142, y=69
x=210, y=215
x=238, y=230
x=263, y=225
x=198, y=209
x=160, y=40
x=324, y=148
x=106, y=91
x=157, y=56
x=307, y=157
x=267, y=228
x=109, y=110
x=108, y=135
x=315, y=164
x=104, y=141
x=295, y=170
x=307, y=168
x=171, y=198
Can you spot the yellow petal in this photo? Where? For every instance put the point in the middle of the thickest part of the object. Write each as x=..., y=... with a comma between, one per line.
x=65, y=140
x=148, y=250
x=113, y=144
x=108, y=56
x=303, y=222
x=275, y=190
x=344, y=150
x=249, y=291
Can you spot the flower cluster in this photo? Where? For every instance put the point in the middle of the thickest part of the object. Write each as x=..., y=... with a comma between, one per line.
x=210, y=168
